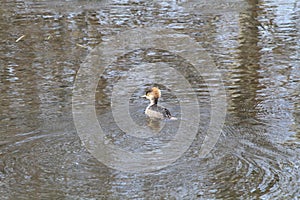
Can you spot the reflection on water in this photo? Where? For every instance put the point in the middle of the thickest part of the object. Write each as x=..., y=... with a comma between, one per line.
x=255, y=46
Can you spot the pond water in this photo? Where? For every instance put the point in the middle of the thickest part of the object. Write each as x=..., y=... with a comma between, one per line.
x=251, y=49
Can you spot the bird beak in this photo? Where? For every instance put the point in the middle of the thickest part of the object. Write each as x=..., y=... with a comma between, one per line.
x=144, y=96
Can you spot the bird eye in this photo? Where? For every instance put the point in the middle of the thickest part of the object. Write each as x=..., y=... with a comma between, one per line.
x=148, y=91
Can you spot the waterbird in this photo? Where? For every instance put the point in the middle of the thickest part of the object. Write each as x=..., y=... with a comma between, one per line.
x=154, y=110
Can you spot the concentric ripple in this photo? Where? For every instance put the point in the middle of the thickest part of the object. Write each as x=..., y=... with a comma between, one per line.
x=254, y=45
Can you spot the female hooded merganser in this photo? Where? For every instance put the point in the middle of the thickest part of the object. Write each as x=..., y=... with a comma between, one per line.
x=153, y=110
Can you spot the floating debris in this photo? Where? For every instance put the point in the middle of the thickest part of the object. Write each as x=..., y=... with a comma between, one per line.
x=49, y=37
x=82, y=46
x=20, y=38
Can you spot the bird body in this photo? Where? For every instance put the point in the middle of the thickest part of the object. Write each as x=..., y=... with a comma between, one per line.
x=154, y=110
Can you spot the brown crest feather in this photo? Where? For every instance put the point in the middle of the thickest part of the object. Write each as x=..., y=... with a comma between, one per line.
x=156, y=92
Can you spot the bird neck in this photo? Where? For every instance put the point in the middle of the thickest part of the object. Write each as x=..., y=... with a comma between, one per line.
x=154, y=101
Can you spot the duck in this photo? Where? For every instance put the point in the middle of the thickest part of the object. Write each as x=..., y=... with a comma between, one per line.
x=153, y=110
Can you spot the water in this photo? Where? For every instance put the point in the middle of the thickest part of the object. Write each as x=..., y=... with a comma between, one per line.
x=253, y=44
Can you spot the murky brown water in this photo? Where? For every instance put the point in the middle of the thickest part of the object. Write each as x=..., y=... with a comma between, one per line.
x=254, y=44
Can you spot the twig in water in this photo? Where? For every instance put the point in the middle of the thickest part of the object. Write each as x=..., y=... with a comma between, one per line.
x=20, y=38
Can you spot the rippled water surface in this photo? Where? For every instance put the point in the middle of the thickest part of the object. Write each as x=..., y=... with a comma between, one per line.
x=253, y=44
